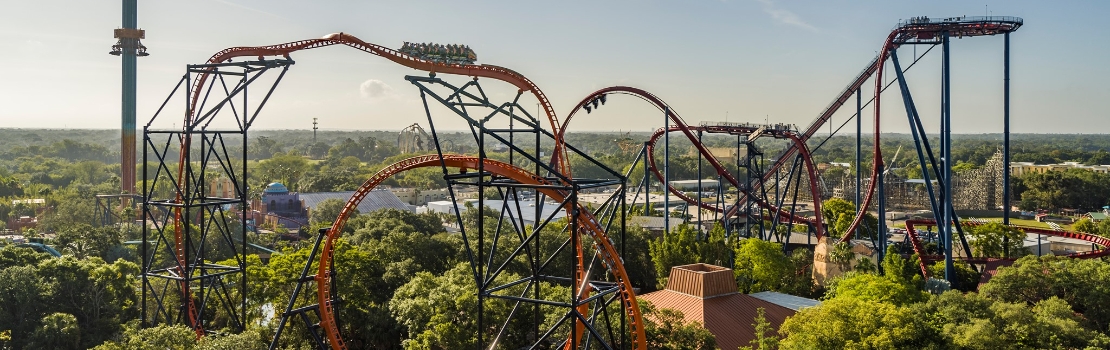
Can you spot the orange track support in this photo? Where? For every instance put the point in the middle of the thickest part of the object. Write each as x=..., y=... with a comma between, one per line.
x=609, y=254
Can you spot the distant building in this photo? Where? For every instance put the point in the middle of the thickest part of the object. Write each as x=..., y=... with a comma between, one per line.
x=692, y=185
x=375, y=200
x=418, y=197
x=654, y=224
x=707, y=294
x=527, y=212
x=281, y=206
x=292, y=209
x=1022, y=168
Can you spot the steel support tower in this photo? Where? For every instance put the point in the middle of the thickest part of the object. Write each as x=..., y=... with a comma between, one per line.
x=195, y=240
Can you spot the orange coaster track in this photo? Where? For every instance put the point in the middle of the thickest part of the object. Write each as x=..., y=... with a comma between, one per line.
x=590, y=226
x=283, y=50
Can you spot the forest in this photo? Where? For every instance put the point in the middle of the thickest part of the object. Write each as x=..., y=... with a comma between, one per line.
x=409, y=285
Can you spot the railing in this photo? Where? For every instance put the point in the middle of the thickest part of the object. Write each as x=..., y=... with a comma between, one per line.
x=962, y=19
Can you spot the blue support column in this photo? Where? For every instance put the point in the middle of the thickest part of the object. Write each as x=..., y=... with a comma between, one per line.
x=920, y=140
x=946, y=137
x=882, y=231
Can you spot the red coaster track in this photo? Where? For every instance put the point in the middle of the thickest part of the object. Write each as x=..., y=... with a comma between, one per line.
x=680, y=125
x=915, y=240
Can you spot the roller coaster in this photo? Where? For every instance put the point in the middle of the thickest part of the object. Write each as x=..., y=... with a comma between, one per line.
x=180, y=285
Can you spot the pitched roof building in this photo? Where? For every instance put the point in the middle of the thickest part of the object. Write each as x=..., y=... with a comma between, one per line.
x=707, y=294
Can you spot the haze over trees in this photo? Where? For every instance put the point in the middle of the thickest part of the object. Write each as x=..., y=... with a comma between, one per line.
x=406, y=282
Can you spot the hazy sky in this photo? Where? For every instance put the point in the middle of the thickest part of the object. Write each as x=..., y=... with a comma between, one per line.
x=752, y=59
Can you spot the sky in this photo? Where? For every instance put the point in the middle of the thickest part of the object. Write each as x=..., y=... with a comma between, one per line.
x=711, y=60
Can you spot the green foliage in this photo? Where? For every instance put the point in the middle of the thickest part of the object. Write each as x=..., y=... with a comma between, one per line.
x=898, y=268
x=676, y=247
x=666, y=329
x=851, y=323
x=842, y=255
x=871, y=288
x=760, y=266
x=994, y=240
x=1074, y=188
x=20, y=256
x=966, y=279
x=1083, y=284
x=327, y=211
x=638, y=263
x=23, y=302
x=162, y=337
x=57, y=331
x=864, y=265
x=83, y=240
x=971, y=321
x=765, y=337
x=838, y=214
x=383, y=222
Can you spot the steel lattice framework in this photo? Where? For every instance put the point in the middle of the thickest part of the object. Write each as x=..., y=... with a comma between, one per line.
x=185, y=287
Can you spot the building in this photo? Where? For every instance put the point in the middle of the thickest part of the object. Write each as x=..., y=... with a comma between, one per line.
x=692, y=185
x=292, y=209
x=375, y=200
x=1022, y=168
x=526, y=212
x=281, y=206
x=416, y=197
x=707, y=294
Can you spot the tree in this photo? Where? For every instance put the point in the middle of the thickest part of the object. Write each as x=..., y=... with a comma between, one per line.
x=760, y=266
x=666, y=329
x=57, y=331
x=161, y=337
x=101, y=296
x=287, y=168
x=871, y=288
x=765, y=338
x=676, y=247
x=851, y=323
x=971, y=321
x=1081, y=283
x=1085, y=225
x=965, y=279
x=83, y=240
x=327, y=211
x=23, y=302
x=995, y=240
x=20, y=256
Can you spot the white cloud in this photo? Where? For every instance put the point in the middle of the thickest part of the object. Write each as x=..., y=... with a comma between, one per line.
x=785, y=16
x=375, y=88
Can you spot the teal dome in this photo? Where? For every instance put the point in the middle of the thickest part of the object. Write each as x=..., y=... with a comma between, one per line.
x=275, y=188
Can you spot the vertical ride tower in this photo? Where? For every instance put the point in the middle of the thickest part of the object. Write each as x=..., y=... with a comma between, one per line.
x=129, y=47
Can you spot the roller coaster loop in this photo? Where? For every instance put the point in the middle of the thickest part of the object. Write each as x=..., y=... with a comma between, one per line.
x=606, y=251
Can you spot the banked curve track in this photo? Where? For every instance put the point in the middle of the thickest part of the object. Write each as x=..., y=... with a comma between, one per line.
x=680, y=125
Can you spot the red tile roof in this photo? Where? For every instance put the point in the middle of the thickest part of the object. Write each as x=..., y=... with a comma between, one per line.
x=707, y=294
